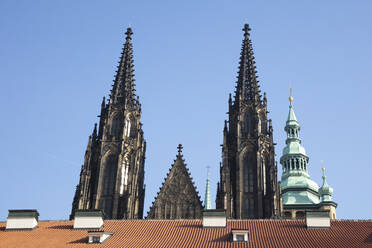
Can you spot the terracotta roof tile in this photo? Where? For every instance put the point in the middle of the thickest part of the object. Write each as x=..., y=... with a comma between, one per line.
x=190, y=233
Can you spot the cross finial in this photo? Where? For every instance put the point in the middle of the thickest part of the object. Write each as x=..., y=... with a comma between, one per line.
x=246, y=30
x=129, y=33
x=179, y=149
x=208, y=167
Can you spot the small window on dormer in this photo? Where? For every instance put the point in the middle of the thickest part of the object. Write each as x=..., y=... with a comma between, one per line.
x=98, y=237
x=240, y=235
x=95, y=239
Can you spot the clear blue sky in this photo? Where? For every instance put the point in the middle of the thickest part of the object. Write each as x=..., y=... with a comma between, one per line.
x=57, y=61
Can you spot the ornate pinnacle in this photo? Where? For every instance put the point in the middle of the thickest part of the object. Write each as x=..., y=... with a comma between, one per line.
x=95, y=129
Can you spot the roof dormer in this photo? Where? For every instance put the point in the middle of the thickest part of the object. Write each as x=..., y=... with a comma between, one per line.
x=23, y=219
x=98, y=237
x=240, y=235
x=88, y=219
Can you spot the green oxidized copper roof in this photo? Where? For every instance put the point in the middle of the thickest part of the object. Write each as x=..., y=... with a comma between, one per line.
x=325, y=191
x=292, y=120
x=298, y=180
x=207, y=200
x=294, y=148
x=293, y=141
x=300, y=198
x=296, y=185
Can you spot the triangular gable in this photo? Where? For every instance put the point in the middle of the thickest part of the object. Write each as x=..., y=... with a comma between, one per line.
x=178, y=197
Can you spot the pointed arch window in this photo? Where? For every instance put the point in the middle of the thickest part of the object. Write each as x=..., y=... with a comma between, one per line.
x=263, y=167
x=259, y=125
x=247, y=123
x=248, y=171
x=124, y=174
x=109, y=176
x=127, y=127
x=116, y=130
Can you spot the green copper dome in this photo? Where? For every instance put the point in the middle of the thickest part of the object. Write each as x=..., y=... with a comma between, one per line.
x=325, y=191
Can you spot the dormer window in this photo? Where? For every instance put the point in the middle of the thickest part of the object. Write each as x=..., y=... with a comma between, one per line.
x=95, y=239
x=98, y=237
x=240, y=235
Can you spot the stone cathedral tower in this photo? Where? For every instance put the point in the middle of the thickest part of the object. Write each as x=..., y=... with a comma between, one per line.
x=112, y=177
x=248, y=186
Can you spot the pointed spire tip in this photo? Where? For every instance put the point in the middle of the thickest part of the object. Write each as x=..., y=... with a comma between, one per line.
x=290, y=98
x=180, y=149
x=246, y=30
x=129, y=33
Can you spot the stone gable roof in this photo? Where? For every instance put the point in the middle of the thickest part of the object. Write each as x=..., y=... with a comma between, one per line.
x=178, y=197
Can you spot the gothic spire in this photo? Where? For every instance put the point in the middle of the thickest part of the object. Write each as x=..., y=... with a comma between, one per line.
x=123, y=91
x=247, y=88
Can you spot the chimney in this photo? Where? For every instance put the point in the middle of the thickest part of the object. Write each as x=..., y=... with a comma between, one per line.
x=88, y=219
x=318, y=219
x=214, y=218
x=22, y=219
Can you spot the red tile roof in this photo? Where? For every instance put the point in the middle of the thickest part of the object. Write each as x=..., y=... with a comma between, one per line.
x=190, y=233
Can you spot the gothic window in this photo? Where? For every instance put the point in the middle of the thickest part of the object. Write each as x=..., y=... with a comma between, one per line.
x=259, y=125
x=124, y=174
x=130, y=127
x=116, y=127
x=248, y=163
x=247, y=123
x=127, y=127
x=167, y=211
x=109, y=176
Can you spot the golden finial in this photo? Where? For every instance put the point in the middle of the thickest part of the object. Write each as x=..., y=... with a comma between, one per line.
x=323, y=169
x=290, y=98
